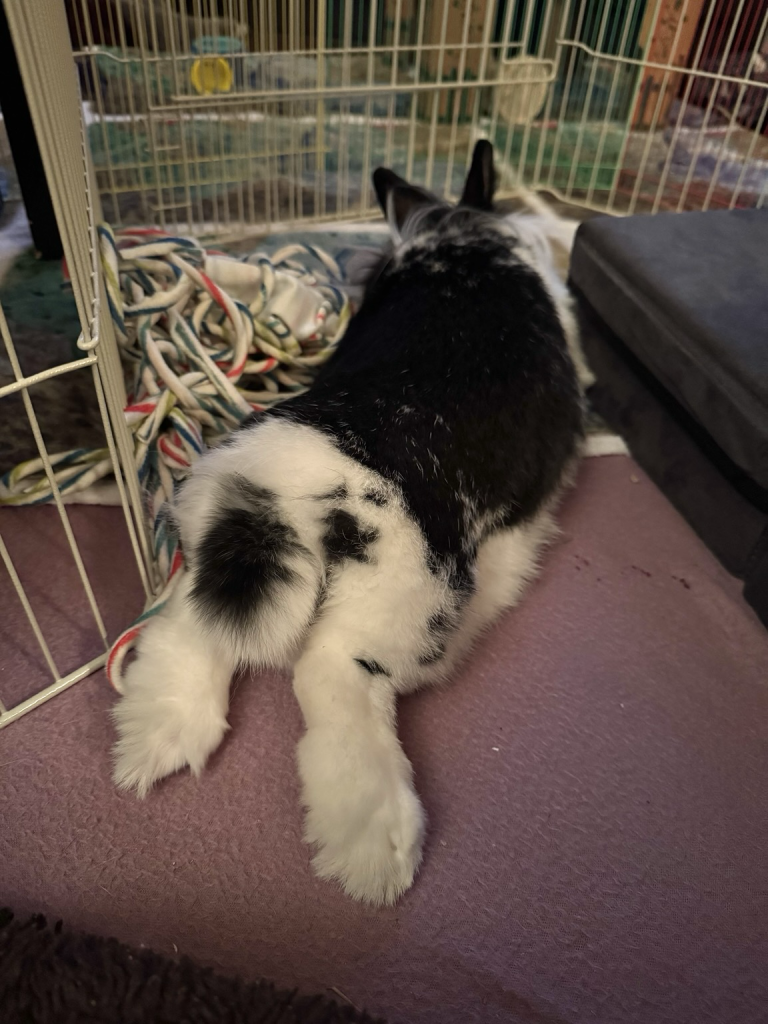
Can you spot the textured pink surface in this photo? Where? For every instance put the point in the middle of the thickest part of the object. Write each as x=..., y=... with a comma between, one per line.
x=596, y=782
x=40, y=553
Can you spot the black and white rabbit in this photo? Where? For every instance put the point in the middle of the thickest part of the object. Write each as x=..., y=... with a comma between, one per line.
x=364, y=533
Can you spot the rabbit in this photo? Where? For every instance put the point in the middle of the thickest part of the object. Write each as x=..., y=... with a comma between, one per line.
x=364, y=533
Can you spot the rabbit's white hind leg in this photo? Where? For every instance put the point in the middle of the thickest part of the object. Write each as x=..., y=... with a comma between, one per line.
x=175, y=697
x=363, y=815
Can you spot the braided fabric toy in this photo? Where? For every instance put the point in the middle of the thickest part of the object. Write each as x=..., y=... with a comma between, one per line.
x=210, y=339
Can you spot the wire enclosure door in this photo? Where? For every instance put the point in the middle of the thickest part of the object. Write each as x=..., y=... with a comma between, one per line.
x=51, y=84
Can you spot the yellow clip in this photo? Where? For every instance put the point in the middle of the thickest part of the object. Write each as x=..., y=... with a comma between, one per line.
x=211, y=74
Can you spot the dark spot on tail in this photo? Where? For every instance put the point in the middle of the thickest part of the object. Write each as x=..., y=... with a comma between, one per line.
x=372, y=667
x=345, y=537
x=439, y=627
x=243, y=555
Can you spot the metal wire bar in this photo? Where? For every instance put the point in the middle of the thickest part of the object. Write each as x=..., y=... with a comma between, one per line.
x=50, y=81
x=46, y=461
x=31, y=617
x=37, y=378
x=710, y=107
x=761, y=34
x=14, y=713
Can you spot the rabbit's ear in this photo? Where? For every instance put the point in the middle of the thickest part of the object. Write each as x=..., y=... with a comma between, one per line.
x=481, y=180
x=397, y=198
x=384, y=181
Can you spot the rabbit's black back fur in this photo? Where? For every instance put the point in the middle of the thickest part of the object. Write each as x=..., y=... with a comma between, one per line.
x=454, y=382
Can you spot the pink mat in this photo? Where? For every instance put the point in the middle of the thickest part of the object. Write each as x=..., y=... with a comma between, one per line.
x=596, y=782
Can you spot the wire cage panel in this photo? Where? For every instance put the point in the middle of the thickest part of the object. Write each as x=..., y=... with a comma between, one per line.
x=51, y=86
x=233, y=115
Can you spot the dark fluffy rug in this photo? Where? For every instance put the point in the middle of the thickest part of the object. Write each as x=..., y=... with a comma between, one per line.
x=49, y=976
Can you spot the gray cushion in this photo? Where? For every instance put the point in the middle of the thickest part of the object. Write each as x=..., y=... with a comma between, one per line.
x=688, y=295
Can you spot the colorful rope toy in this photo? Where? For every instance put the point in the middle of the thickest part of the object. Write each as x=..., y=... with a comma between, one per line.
x=210, y=339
